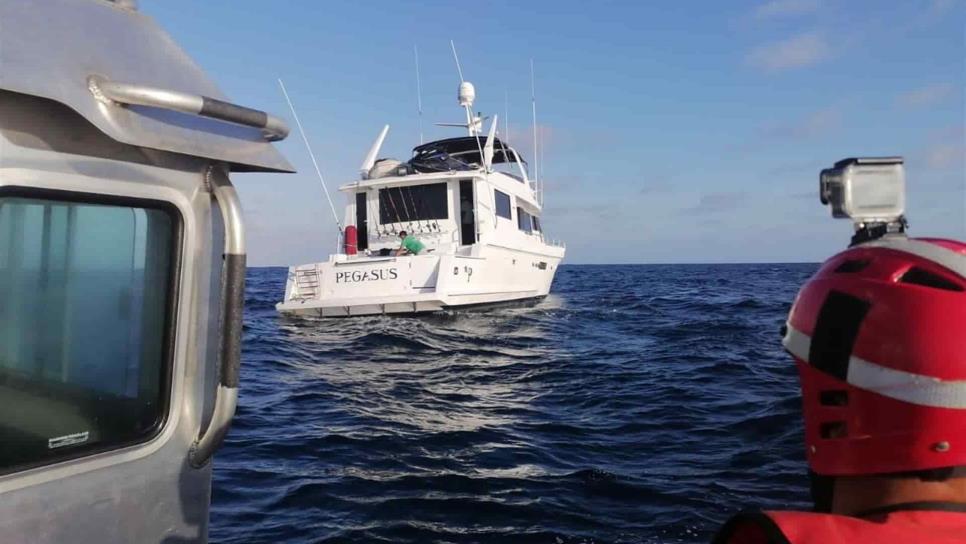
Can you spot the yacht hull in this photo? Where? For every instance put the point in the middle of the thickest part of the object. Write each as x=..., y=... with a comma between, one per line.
x=345, y=287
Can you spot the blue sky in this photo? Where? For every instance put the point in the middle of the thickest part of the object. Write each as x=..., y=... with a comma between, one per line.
x=674, y=132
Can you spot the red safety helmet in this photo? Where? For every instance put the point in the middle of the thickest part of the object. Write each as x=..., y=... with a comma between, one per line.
x=879, y=338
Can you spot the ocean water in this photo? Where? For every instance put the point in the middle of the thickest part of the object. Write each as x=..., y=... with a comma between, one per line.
x=635, y=404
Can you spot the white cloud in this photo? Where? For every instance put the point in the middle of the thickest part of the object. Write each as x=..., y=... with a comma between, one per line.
x=795, y=52
x=653, y=187
x=521, y=136
x=940, y=7
x=718, y=202
x=944, y=149
x=925, y=96
x=784, y=8
x=944, y=156
x=812, y=125
x=816, y=123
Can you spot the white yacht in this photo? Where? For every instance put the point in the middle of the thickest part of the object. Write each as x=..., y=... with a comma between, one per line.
x=469, y=200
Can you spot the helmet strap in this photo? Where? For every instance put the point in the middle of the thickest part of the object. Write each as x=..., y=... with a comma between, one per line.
x=933, y=474
x=822, y=488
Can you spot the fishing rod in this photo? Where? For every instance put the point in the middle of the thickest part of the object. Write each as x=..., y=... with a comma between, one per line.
x=315, y=163
x=395, y=211
x=372, y=210
x=372, y=226
x=409, y=221
x=435, y=221
x=390, y=227
x=416, y=210
x=420, y=207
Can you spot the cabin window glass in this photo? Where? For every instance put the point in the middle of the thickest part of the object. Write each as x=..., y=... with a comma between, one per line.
x=84, y=326
x=502, y=203
x=523, y=220
x=536, y=223
x=413, y=203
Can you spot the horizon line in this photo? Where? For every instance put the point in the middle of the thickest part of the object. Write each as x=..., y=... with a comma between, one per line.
x=623, y=264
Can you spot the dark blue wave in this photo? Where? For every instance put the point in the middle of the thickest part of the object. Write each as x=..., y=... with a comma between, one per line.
x=635, y=404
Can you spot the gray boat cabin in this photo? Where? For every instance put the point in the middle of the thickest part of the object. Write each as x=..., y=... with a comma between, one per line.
x=122, y=262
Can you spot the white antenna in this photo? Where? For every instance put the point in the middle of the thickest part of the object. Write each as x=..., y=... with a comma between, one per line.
x=467, y=94
x=456, y=57
x=419, y=96
x=506, y=118
x=543, y=163
x=533, y=102
x=370, y=159
x=488, y=148
x=312, y=155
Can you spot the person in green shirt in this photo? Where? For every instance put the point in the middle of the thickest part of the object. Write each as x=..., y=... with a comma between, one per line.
x=410, y=245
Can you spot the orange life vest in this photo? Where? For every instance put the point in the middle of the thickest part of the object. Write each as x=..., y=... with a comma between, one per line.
x=926, y=524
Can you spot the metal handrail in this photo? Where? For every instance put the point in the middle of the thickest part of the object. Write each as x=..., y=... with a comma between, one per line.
x=105, y=90
x=232, y=306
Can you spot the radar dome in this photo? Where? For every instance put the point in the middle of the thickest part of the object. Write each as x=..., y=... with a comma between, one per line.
x=467, y=94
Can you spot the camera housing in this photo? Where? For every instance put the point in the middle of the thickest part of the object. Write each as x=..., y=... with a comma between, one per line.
x=865, y=190
x=871, y=191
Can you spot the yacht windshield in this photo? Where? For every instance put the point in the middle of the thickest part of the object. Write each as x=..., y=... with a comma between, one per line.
x=457, y=154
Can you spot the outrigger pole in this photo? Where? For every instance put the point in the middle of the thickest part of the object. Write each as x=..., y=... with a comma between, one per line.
x=419, y=96
x=536, y=171
x=506, y=116
x=315, y=163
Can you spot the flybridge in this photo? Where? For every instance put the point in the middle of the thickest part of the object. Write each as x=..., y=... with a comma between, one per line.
x=471, y=152
x=460, y=154
x=464, y=154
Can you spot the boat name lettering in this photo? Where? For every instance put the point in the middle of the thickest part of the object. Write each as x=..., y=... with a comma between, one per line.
x=356, y=276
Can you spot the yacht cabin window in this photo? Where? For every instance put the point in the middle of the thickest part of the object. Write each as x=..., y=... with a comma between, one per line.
x=85, y=324
x=502, y=204
x=536, y=223
x=523, y=220
x=413, y=203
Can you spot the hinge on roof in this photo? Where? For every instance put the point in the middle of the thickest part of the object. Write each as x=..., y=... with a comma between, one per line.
x=210, y=171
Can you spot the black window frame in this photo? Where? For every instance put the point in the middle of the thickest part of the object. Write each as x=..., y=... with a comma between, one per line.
x=362, y=221
x=523, y=220
x=401, y=208
x=496, y=204
x=168, y=345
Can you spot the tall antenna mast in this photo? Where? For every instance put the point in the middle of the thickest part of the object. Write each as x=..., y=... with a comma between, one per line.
x=467, y=94
x=543, y=163
x=536, y=171
x=457, y=59
x=312, y=155
x=506, y=117
x=419, y=96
